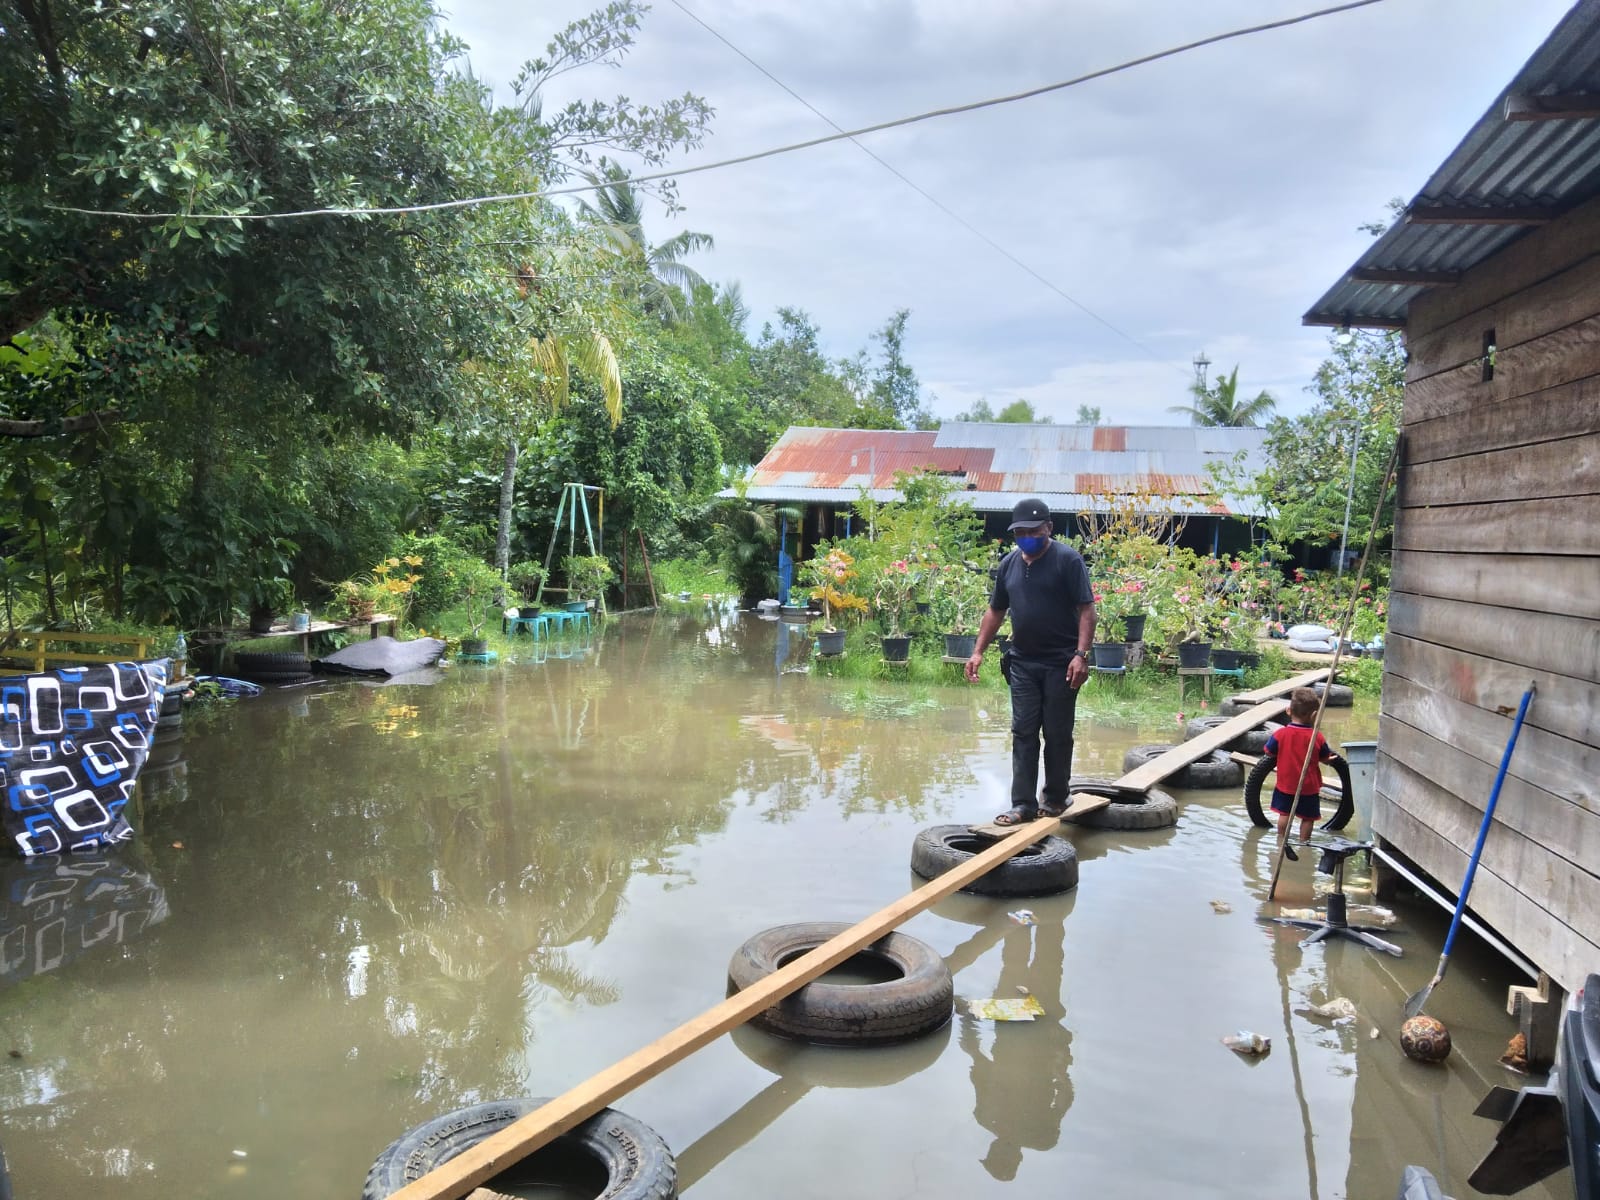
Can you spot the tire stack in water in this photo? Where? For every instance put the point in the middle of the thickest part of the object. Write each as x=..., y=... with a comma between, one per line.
x=276, y=667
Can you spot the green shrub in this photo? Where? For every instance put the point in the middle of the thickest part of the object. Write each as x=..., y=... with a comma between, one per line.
x=444, y=574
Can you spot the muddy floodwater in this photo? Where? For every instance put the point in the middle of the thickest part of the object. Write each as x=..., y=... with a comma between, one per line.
x=354, y=907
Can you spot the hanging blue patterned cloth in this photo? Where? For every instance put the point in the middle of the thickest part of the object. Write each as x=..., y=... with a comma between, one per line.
x=71, y=745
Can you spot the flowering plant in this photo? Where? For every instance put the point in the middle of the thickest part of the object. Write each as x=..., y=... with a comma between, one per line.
x=1115, y=600
x=829, y=576
x=385, y=585
x=894, y=592
x=961, y=595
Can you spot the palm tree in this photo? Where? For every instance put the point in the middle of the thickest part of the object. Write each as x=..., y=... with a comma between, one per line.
x=1218, y=405
x=618, y=213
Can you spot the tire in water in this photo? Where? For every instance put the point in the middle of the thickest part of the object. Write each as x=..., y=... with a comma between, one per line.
x=1215, y=770
x=612, y=1153
x=1045, y=868
x=1344, y=808
x=1130, y=810
x=916, y=997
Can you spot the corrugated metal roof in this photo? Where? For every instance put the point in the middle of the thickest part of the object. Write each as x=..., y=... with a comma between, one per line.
x=1552, y=164
x=1072, y=467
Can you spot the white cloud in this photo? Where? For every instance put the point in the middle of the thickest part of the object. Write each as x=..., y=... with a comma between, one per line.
x=1202, y=202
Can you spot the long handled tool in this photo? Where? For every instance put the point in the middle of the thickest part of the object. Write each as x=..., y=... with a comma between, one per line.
x=1418, y=999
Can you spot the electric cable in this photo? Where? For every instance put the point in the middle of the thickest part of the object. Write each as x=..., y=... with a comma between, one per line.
x=754, y=156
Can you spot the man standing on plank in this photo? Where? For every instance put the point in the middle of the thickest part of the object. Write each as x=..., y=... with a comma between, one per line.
x=1044, y=584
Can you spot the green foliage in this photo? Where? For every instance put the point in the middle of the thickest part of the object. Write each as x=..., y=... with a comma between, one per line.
x=446, y=571
x=525, y=577
x=698, y=574
x=587, y=575
x=1219, y=405
x=1364, y=675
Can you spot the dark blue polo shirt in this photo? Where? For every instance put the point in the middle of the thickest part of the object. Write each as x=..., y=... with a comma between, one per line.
x=1043, y=598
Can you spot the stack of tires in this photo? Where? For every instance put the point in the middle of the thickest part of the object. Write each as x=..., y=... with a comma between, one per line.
x=169, y=722
x=274, y=667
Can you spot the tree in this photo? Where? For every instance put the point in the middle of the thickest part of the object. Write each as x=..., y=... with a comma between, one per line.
x=895, y=389
x=1219, y=405
x=1020, y=412
x=664, y=281
x=1088, y=415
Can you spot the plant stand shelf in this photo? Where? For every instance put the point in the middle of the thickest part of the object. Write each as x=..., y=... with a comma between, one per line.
x=488, y=656
x=950, y=658
x=1204, y=674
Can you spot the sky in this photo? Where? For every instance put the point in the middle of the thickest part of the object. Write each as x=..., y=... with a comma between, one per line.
x=1195, y=205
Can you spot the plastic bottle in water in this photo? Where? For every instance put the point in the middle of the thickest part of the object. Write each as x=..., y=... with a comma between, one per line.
x=180, y=654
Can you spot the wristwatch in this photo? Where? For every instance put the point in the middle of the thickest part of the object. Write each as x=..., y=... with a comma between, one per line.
x=1083, y=654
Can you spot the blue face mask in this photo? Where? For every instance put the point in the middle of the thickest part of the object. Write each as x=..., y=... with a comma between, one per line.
x=1031, y=545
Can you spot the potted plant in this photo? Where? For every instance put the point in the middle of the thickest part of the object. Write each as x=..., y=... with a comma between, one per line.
x=264, y=599
x=892, y=598
x=587, y=576
x=962, y=595
x=525, y=578
x=829, y=575
x=1190, y=622
x=478, y=583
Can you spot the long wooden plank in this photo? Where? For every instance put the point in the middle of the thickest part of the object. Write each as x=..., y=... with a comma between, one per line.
x=1567, y=953
x=455, y=1178
x=1546, y=362
x=1493, y=682
x=1569, y=586
x=1520, y=317
x=1563, y=411
x=1568, y=466
x=1282, y=688
x=1180, y=756
x=1544, y=253
x=1565, y=526
x=1563, y=827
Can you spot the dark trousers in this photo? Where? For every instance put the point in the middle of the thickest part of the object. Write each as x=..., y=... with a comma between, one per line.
x=1041, y=703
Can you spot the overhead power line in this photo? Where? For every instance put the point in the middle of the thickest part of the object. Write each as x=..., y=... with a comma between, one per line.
x=755, y=156
x=923, y=192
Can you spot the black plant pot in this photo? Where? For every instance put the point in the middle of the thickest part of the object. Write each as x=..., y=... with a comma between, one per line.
x=923, y=606
x=830, y=641
x=897, y=648
x=1192, y=655
x=474, y=645
x=1223, y=659
x=1110, y=654
x=959, y=645
x=260, y=620
x=1135, y=627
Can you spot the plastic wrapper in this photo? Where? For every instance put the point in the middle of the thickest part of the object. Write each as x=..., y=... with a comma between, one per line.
x=1247, y=1043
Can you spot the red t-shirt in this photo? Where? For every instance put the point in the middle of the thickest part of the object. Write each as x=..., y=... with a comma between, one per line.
x=1290, y=745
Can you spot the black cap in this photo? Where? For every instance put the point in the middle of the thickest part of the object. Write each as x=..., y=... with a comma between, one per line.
x=1029, y=512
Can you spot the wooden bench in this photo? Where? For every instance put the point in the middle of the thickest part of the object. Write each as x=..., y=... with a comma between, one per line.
x=239, y=633
x=34, y=647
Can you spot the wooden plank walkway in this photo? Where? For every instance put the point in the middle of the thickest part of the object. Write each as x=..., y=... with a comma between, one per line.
x=1283, y=687
x=1180, y=756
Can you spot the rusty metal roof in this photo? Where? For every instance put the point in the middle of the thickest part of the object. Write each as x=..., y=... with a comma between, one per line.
x=1549, y=165
x=1073, y=468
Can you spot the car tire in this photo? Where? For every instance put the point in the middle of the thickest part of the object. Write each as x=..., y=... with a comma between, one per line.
x=1128, y=809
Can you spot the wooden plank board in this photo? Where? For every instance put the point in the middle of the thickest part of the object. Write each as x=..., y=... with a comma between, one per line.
x=1078, y=804
x=1546, y=362
x=1565, y=953
x=1567, y=585
x=1566, y=467
x=1493, y=683
x=1562, y=411
x=1562, y=646
x=1564, y=827
x=496, y=1153
x=1539, y=255
x=1282, y=688
x=1565, y=526
x=1180, y=756
x=1555, y=302
x=1560, y=765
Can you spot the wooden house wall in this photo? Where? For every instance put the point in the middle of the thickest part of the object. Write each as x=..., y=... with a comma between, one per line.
x=1496, y=585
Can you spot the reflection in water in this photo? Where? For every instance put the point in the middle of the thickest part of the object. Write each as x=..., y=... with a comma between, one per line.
x=57, y=908
x=1022, y=1086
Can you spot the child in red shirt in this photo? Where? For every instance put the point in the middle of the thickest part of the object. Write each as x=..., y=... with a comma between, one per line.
x=1291, y=746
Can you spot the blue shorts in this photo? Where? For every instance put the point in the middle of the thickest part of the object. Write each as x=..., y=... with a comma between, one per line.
x=1309, y=806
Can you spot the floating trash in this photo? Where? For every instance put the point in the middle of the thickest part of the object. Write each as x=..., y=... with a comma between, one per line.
x=1006, y=1009
x=1337, y=1009
x=1375, y=1034
x=1023, y=916
x=1221, y=907
x=1245, y=1042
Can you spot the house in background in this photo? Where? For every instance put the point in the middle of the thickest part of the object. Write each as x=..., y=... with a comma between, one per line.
x=1493, y=272
x=1074, y=468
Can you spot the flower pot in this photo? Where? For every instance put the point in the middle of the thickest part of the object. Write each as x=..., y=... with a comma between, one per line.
x=260, y=620
x=923, y=607
x=528, y=610
x=1110, y=654
x=830, y=641
x=576, y=606
x=474, y=645
x=897, y=647
x=1194, y=654
x=1135, y=627
x=959, y=645
x=1223, y=659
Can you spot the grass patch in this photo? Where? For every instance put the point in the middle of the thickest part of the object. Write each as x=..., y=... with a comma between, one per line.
x=698, y=575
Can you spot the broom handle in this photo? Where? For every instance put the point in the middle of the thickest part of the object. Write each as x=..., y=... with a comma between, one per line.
x=1483, y=829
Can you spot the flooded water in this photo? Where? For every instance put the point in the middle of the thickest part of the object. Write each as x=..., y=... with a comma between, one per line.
x=354, y=907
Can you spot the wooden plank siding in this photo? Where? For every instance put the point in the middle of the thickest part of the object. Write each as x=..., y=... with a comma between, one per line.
x=1496, y=584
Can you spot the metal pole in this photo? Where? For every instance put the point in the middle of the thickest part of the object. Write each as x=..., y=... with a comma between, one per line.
x=1355, y=445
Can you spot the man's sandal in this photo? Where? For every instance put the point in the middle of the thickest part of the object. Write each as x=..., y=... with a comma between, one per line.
x=1052, y=810
x=1017, y=815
